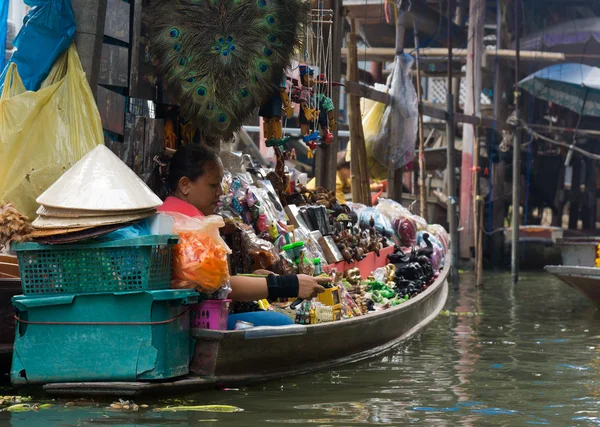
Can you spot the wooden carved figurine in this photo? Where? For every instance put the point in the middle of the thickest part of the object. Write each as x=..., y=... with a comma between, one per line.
x=271, y=114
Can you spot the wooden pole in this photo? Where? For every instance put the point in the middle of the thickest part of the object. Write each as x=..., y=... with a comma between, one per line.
x=395, y=176
x=516, y=176
x=422, y=199
x=479, y=245
x=358, y=161
x=326, y=157
x=432, y=53
x=470, y=152
x=498, y=170
x=451, y=168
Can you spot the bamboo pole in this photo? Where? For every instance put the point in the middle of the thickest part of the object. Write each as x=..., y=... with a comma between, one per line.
x=358, y=160
x=387, y=54
x=477, y=201
x=422, y=200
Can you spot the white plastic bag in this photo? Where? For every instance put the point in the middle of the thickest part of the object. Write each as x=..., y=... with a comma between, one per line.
x=396, y=150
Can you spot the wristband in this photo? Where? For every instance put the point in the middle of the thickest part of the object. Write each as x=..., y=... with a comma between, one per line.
x=282, y=286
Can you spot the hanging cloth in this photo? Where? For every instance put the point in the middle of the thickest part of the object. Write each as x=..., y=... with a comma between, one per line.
x=47, y=32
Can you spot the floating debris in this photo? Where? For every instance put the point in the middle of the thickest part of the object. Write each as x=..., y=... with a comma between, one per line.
x=460, y=313
x=202, y=408
x=126, y=405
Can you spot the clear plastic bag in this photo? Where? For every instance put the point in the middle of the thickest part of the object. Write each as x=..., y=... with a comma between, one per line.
x=200, y=257
x=396, y=150
x=403, y=222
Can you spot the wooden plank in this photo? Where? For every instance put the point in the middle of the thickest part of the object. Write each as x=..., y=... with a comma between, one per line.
x=114, y=66
x=136, y=32
x=116, y=24
x=111, y=106
x=365, y=91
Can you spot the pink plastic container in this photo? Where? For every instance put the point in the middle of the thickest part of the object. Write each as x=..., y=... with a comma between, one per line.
x=210, y=314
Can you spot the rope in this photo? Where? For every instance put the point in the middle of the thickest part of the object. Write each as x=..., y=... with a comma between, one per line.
x=581, y=151
x=162, y=322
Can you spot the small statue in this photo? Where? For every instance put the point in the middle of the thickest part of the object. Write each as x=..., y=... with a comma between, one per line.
x=304, y=95
x=327, y=120
x=271, y=113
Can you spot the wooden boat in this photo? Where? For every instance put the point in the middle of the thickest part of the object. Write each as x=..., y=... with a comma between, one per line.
x=585, y=279
x=229, y=358
x=10, y=285
x=539, y=244
x=578, y=268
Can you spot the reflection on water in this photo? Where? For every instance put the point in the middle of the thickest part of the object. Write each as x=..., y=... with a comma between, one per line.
x=530, y=355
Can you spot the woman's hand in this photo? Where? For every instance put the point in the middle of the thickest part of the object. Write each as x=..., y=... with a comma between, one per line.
x=309, y=286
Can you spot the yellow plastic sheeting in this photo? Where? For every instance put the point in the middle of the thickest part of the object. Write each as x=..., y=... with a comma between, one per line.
x=372, y=113
x=43, y=133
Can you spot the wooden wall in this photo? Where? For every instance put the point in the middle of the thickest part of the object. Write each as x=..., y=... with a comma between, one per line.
x=127, y=91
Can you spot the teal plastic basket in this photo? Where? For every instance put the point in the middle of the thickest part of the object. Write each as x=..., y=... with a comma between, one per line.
x=137, y=264
x=120, y=336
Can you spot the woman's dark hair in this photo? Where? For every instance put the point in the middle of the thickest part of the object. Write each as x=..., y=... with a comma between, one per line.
x=189, y=161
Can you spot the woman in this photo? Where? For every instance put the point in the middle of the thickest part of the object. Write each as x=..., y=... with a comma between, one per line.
x=194, y=185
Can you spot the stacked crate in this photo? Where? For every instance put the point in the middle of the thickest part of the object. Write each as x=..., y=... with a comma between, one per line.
x=100, y=312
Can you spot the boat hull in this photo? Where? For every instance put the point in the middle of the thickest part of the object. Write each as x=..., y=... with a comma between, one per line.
x=225, y=358
x=584, y=279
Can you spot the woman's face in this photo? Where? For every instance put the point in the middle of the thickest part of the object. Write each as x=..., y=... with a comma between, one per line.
x=204, y=193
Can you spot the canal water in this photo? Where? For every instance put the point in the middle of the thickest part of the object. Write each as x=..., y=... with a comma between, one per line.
x=499, y=356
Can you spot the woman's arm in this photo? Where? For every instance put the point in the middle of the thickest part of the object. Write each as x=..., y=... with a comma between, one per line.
x=244, y=288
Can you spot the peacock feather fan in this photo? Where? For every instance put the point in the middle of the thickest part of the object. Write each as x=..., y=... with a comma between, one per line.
x=224, y=58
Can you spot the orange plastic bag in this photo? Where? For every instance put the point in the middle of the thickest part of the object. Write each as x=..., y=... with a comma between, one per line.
x=200, y=258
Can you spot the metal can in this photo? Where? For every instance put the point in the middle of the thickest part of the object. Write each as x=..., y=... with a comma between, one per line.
x=241, y=325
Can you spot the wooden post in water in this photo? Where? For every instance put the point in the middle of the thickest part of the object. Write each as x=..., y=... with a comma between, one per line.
x=470, y=153
x=498, y=170
x=451, y=167
x=516, y=176
x=422, y=199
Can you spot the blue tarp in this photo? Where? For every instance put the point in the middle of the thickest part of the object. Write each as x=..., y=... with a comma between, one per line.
x=47, y=32
x=3, y=19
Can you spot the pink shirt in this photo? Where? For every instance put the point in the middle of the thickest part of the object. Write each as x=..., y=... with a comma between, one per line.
x=173, y=204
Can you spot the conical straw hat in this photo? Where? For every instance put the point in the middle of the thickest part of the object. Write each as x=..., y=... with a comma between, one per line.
x=45, y=222
x=47, y=211
x=100, y=181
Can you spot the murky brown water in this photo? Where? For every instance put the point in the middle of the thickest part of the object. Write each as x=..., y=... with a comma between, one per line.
x=526, y=355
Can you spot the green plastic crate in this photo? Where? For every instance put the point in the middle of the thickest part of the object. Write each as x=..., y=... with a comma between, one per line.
x=48, y=353
x=141, y=263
